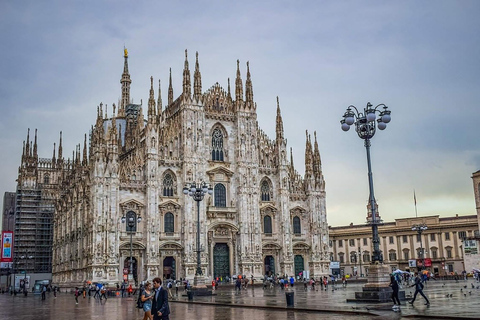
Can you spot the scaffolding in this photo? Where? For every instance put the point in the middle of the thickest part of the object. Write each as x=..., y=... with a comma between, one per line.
x=33, y=237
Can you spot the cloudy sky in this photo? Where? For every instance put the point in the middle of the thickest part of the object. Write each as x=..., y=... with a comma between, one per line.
x=59, y=60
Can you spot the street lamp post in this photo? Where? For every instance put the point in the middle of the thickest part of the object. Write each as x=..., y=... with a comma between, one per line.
x=360, y=261
x=420, y=228
x=365, y=127
x=26, y=258
x=198, y=191
x=130, y=220
x=353, y=257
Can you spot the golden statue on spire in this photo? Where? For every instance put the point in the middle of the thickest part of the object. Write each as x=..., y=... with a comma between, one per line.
x=125, y=52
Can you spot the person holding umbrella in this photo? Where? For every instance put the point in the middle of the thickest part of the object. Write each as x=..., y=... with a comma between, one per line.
x=395, y=288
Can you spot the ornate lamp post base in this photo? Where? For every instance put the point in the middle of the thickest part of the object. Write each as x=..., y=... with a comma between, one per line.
x=377, y=288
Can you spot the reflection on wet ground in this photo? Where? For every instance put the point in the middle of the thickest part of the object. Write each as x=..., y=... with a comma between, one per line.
x=448, y=299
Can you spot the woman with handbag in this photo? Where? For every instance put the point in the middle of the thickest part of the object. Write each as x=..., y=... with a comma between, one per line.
x=147, y=297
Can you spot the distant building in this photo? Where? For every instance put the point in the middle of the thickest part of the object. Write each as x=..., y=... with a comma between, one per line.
x=442, y=243
x=8, y=221
x=472, y=243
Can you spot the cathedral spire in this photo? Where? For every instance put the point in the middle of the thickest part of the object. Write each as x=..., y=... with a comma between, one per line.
x=125, y=81
x=60, y=148
x=170, y=89
x=229, y=93
x=291, y=161
x=159, y=101
x=54, y=159
x=279, y=123
x=35, y=155
x=27, y=150
x=249, y=89
x=151, y=102
x=84, y=161
x=197, y=80
x=238, y=85
x=317, y=162
x=308, y=157
x=187, y=87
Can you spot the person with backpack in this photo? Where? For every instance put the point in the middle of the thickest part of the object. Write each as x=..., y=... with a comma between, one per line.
x=419, y=289
x=145, y=301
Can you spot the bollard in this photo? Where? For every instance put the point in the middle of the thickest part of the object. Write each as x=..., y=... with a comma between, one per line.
x=290, y=295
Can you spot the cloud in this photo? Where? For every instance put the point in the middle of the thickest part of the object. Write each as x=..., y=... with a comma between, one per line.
x=60, y=60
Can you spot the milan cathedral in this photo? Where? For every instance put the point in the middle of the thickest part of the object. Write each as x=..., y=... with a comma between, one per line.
x=262, y=218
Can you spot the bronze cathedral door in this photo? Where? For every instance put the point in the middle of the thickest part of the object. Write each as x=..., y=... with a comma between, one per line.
x=221, y=260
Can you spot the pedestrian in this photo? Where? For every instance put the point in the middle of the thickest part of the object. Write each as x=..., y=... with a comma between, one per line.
x=44, y=292
x=395, y=288
x=177, y=284
x=84, y=292
x=160, y=307
x=103, y=292
x=213, y=285
x=419, y=289
x=123, y=289
x=325, y=283
x=97, y=291
x=76, y=295
x=55, y=291
x=292, y=281
x=130, y=290
x=147, y=297
x=305, y=284
x=312, y=283
x=169, y=289
x=238, y=284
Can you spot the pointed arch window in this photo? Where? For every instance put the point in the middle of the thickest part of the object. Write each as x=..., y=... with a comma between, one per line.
x=265, y=191
x=169, y=222
x=267, y=225
x=217, y=145
x=168, y=185
x=296, y=226
x=46, y=179
x=220, y=195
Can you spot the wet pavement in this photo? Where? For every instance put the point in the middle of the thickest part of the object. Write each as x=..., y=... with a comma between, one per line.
x=256, y=303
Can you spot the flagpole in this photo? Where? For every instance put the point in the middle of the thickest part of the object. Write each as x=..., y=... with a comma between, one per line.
x=415, y=200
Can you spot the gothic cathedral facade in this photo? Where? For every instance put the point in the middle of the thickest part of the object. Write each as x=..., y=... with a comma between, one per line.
x=262, y=218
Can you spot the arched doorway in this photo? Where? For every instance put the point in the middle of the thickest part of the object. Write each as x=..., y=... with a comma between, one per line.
x=126, y=264
x=299, y=265
x=221, y=260
x=269, y=265
x=169, y=271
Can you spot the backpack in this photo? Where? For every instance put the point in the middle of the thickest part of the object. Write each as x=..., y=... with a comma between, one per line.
x=139, y=301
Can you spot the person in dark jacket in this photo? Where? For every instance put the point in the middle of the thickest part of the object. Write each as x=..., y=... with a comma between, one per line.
x=419, y=289
x=160, y=307
x=394, y=285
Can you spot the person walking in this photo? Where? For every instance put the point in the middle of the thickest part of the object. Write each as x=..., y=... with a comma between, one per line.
x=147, y=297
x=55, y=291
x=76, y=295
x=177, y=284
x=418, y=289
x=44, y=292
x=395, y=288
x=160, y=307
x=123, y=289
x=103, y=292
